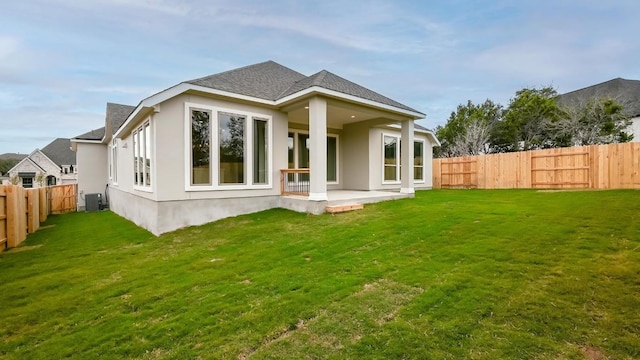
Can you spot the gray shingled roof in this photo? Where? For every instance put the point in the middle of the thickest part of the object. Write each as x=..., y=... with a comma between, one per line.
x=625, y=92
x=272, y=81
x=59, y=151
x=267, y=80
x=117, y=114
x=96, y=134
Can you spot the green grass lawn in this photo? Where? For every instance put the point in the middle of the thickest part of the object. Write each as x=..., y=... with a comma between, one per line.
x=447, y=275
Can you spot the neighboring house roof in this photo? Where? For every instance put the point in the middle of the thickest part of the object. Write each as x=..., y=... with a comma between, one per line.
x=626, y=92
x=27, y=160
x=59, y=151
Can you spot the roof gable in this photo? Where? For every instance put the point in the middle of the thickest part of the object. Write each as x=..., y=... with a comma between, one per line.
x=330, y=81
x=117, y=114
x=59, y=151
x=626, y=92
x=265, y=80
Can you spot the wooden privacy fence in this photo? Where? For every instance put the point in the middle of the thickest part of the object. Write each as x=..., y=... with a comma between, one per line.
x=614, y=166
x=22, y=210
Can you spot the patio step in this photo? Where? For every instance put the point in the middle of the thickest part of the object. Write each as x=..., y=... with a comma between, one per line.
x=333, y=209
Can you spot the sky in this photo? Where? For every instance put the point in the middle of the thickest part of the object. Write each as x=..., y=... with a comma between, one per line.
x=61, y=61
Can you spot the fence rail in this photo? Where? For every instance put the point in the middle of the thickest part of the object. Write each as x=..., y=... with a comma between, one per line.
x=615, y=166
x=22, y=210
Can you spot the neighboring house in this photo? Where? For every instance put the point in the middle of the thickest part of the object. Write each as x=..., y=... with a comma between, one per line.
x=243, y=140
x=54, y=164
x=625, y=92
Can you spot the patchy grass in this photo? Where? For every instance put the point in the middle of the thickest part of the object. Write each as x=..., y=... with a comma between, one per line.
x=448, y=275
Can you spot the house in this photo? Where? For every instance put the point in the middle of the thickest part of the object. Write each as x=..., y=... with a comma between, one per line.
x=53, y=165
x=250, y=139
x=625, y=92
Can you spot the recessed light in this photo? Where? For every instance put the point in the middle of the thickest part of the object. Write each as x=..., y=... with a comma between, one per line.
x=306, y=107
x=353, y=116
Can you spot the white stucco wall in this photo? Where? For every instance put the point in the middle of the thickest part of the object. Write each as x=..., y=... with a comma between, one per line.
x=635, y=129
x=91, y=159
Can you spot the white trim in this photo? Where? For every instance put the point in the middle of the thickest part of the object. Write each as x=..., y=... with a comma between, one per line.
x=397, y=166
x=214, y=162
x=407, y=191
x=144, y=127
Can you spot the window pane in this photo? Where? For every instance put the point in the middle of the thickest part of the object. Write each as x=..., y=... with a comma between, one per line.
x=332, y=159
x=136, y=155
x=390, y=158
x=231, y=139
x=417, y=153
x=260, y=151
x=418, y=160
x=147, y=154
x=303, y=155
x=200, y=147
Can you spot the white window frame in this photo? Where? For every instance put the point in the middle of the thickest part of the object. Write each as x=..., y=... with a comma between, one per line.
x=143, y=146
x=295, y=151
x=424, y=147
x=113, y=165
x=398, y=158
x=214, y=165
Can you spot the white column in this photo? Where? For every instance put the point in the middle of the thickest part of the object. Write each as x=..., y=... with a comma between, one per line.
x=406, y=154
x=318, y=149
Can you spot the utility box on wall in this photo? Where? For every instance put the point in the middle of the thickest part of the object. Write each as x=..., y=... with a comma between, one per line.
x=93, y=202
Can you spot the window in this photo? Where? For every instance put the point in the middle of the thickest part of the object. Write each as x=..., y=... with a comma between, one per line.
x=391, y=158
x=298, y=144
x=418, y=160
x=27, y=182
x=227, y=149
x=232, y=149
x=142, y=155
x=260, y=151
x=200, y=147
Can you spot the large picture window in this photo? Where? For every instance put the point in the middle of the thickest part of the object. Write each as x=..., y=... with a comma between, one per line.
x=228, y=149
x=200, y=147
x=232, y=148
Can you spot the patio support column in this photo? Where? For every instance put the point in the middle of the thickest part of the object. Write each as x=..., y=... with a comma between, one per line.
x=318, y=149
x=406, y=157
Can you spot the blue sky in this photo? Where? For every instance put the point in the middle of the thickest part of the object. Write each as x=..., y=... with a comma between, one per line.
x=61, y=61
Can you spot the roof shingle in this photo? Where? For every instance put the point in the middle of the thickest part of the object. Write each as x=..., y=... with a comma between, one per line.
x=59, y=151
x=626, y=92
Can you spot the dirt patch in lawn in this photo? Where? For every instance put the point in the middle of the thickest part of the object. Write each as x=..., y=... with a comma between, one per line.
x=22, y=248
x=592, y=353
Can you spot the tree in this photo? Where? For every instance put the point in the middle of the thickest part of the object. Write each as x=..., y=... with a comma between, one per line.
x=468, y=129
x=526, y=121
x=7, y=164
x=592, y=122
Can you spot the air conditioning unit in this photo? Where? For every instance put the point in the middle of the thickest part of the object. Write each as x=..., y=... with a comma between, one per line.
x=93, y=202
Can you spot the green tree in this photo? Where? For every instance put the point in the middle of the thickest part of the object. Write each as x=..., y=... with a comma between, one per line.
x=468, y=129
x=592, y=122
x=527, y=121
x=7, y=164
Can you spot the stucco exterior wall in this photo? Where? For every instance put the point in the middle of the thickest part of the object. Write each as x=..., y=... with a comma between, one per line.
x=160, y=217
x=354, y=156
x=93, y=174
x=635, y=129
